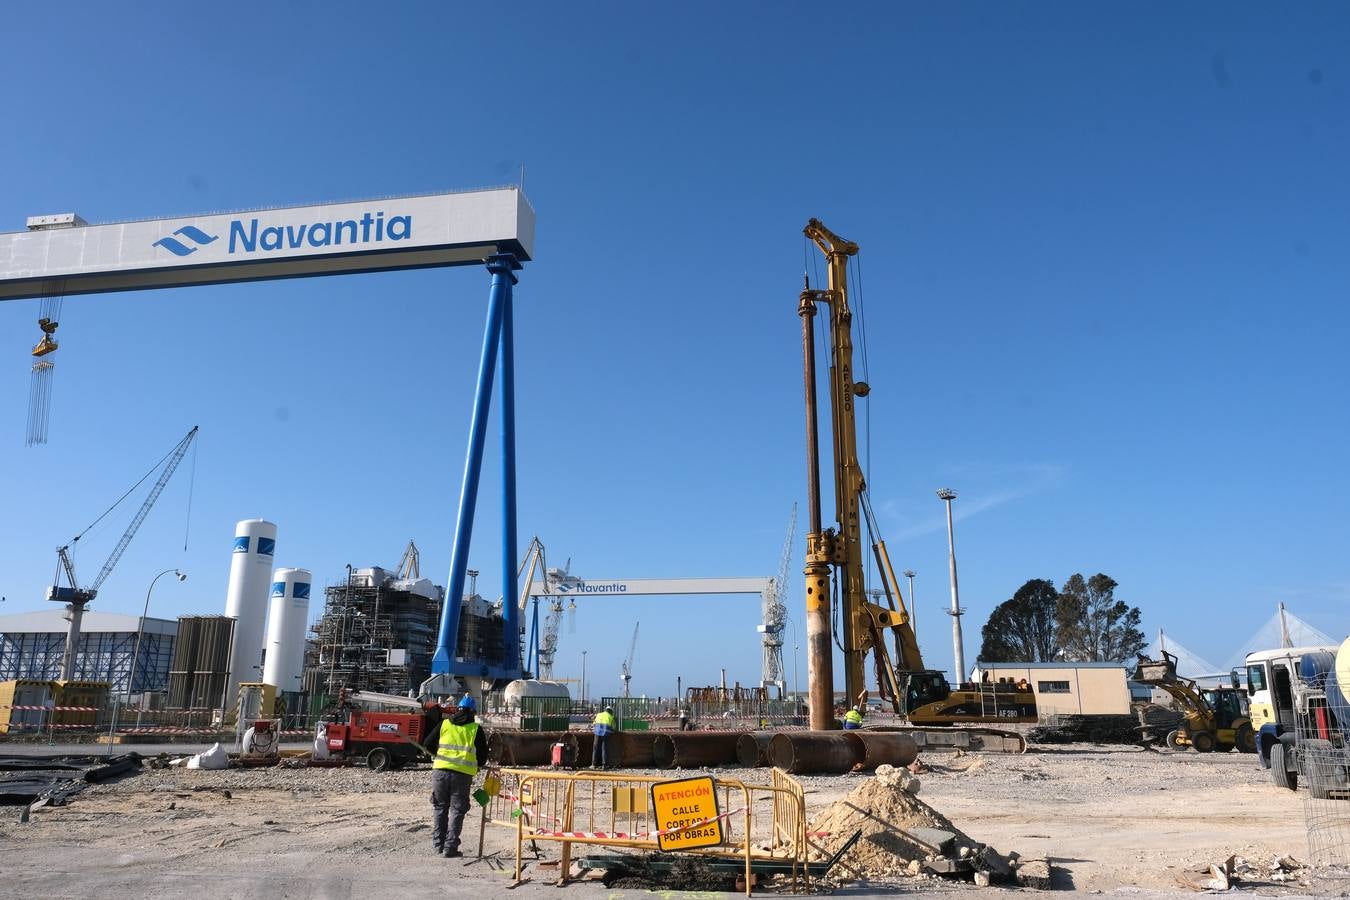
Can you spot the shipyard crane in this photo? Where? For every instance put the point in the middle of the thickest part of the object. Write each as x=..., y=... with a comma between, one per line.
x=409, y=566
x=78, y=597
x=775, y=615
x=923, y=695
x=626, y=673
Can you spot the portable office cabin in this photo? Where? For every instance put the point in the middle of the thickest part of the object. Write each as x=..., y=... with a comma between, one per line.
x=1067, y=688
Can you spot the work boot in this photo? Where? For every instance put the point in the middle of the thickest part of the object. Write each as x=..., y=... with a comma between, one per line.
x=451, y=852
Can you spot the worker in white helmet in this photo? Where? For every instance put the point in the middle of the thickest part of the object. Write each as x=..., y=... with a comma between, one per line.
x=605, y=724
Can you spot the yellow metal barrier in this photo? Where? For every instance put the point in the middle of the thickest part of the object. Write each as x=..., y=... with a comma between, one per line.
x=615, y=810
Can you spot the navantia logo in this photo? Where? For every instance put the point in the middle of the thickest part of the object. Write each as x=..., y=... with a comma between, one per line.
x=192, y=233
x=247, y=237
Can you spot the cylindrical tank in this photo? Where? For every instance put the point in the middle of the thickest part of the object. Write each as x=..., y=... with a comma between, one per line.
x=286, y=620
x=531, y=688
x=255, y=545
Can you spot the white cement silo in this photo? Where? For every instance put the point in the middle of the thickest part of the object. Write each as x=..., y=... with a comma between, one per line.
x=286, y=619
x=255, y=545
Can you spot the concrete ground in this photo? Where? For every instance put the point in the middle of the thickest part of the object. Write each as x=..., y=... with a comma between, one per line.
x=1114, y=820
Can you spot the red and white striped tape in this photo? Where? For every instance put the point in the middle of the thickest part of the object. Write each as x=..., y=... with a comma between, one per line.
x=636, y=835
x=56, y=708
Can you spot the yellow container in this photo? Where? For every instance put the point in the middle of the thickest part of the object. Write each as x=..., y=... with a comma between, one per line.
x=23, y=692
x=88, y=697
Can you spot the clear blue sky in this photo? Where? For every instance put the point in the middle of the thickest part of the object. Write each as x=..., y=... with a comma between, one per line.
x=1103, y=271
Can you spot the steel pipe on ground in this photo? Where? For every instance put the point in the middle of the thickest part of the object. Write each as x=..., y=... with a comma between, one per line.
x=807, y=752
x=886, y=748
x=634, y=749
x=688, y=750
x=752, y=748
x=529, y=748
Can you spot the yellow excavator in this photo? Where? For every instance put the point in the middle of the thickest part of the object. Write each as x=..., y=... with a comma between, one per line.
x=922, y=695
x=1216, y=718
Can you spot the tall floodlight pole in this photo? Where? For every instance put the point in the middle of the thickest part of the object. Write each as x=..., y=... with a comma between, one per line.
x=947, y=495
x=913, y=604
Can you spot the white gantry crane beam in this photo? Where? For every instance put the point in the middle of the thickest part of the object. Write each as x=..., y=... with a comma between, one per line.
x=573, y=587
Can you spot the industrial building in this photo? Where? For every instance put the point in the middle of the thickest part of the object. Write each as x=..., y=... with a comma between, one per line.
x=1067, y=688
x=32, y=645
x=378, y=633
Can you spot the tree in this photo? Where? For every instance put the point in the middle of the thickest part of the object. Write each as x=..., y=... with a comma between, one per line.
x=1093, y=625
x=1023, y=628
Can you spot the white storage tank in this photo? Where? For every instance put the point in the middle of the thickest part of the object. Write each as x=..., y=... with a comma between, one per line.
x=531, y=688
x=255, y=546
x=286, y=619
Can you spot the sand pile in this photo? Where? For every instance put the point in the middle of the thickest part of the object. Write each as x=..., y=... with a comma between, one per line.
x=888, y=815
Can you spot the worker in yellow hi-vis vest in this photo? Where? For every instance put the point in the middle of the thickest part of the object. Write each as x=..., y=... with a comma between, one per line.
x=459, y=748
x=605, y=724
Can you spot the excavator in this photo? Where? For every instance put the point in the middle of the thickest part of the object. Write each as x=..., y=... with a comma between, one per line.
x=922, y=695
x=1216, y=718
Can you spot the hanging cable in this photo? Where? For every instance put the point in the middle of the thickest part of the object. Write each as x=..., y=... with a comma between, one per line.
x=152, y=471
x=192, y=484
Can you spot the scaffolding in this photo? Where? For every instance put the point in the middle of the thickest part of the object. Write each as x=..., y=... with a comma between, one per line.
x=377, y=633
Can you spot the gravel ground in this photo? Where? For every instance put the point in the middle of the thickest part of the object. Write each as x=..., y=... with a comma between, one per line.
x=1112, y=819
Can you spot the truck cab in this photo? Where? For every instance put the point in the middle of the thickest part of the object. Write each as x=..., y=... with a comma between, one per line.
x=1304, y=722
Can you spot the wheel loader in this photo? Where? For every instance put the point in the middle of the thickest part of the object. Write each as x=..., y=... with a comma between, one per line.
x=1216, y=718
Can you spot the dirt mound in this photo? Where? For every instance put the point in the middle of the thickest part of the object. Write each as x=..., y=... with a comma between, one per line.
x=888, y=816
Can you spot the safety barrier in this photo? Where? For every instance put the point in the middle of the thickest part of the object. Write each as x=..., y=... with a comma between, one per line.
x=616, y=811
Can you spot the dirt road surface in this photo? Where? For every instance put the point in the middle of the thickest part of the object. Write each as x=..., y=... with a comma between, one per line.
x=1114, y=820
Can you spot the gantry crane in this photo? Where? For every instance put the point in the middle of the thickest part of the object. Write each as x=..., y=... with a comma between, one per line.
x=626, y=672
x=923, y=695
x=78, y=597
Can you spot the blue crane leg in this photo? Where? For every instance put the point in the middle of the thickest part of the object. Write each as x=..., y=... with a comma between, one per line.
x=501, y=268
x=442, y=663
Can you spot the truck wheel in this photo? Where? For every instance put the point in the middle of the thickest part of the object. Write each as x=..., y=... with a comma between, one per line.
x=1171, y=740
x=378, y=759
x=1245, y=739
x=1202, y=741
x=1281, y=776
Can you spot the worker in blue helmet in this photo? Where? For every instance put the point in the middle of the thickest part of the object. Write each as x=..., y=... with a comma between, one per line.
x=459, y=748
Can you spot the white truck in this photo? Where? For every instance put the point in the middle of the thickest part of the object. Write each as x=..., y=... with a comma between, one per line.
x=1300, y=715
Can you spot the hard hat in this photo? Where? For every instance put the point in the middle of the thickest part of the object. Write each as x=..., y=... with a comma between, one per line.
x=857, y=709
x=609, y=709
x=466, y=702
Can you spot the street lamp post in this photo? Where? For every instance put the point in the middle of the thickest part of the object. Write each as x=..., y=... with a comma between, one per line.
x=136, y=655
x=583, y=677
x=913, y=604
x=947, y=495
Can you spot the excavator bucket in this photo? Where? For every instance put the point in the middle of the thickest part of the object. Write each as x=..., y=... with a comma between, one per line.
x=45, y=346
x=1156, y=671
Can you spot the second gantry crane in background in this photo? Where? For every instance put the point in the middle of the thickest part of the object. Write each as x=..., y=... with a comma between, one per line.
x=923, y=695
x=626, y=673
x=77, y=597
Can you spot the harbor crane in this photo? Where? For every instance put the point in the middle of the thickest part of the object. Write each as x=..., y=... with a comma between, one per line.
x=77, y=597
x=627, y=671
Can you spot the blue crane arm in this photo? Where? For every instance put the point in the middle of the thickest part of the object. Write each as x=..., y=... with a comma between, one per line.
x=175, y=457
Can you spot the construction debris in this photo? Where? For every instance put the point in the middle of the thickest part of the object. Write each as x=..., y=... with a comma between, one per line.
x=50, y=780
x=1102, y=729
x=902, y=835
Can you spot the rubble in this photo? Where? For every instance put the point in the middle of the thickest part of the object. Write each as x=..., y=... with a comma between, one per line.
x=902, y=835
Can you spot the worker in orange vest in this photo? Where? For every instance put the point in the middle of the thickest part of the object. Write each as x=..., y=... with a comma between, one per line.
x=460, y=747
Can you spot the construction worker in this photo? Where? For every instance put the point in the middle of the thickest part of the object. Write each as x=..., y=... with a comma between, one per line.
x=459, y=747
x=853, y=719
x=605, y=725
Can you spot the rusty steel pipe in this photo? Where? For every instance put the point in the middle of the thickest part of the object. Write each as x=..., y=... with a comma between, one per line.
x=528, y=748
x=688, y=750
x=886, y=748
x=752, y=748
x=633, y=749
x=808, y=752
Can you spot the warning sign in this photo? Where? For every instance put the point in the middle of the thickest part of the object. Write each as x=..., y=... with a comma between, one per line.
x=686, y=814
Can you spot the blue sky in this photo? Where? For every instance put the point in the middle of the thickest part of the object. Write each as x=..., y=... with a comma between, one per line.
x=1103, y=277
